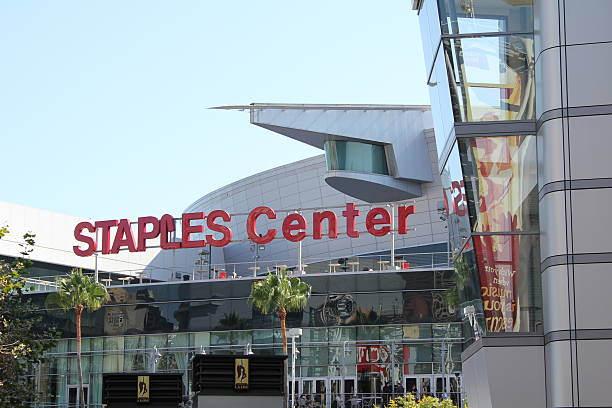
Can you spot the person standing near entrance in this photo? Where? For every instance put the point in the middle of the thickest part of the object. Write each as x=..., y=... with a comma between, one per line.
x=399, y=390
x=414, y=392
x=386, y=393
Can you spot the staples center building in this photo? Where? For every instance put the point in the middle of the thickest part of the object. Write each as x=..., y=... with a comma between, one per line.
x=382, y=308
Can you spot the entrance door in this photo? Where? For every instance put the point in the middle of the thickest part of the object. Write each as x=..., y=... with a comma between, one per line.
x=341, y=391
x=418, y=385
x=448, y=386
x=74, y=392
x=327, y=392
x=315, y=391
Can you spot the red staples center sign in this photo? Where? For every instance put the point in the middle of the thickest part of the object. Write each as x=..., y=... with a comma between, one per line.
x=378, y=223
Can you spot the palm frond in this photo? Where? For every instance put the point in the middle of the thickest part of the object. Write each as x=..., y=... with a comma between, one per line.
x=78, y=290
x=278, y=292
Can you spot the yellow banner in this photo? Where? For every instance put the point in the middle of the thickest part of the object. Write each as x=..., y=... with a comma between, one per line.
x=143, y=388
x=241, y=373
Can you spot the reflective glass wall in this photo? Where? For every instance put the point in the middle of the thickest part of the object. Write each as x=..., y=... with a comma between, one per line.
x=347, y=299
x=490, y=186
x=364, y=358
x=481, y=59
x=361, y=328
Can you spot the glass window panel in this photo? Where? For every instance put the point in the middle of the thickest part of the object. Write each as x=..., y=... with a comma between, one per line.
x=356, y=156
x=429, y=24
x=201, y=339
x=390, y=333
x=501, y=182
x=399, y=281
x=455, y=206
x=237, y=318
x=313, y=355
x=491, y=78
x=344, y=283
x=368, y=309
x=242, y=337
x=263, y=337
x=262, y=321
x=152, y=316
x=193, y=291
x=417, y=307
x=485, y=16
x=220, y=338
x=113, y=355
x=510, y=283
x=442, y=101
x=320, y=284
x=368, y=333
x=222, y=314
x=135, y=354
x=391, y=308
x=340, y=356
x=313, y=335
x=467, y=295
x=341, y=334
x=332, y=310
x=368, y=282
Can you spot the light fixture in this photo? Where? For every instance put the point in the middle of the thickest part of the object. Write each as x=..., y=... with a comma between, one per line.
x=248, y=350
x=201, y=353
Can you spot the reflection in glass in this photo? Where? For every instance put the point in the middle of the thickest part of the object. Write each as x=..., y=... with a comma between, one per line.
x=501, y=182
x=455, y=202
x=485, y=16
x=356, y=156
x=491, y=78
x=510, y=285
x=466, y=294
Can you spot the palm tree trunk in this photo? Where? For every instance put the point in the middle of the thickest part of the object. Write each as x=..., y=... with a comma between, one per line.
x=79, y=311
x=282, y=314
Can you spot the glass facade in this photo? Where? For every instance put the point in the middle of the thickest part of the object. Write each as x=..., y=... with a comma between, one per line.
x=455, y=201
x=356, y=156
x=490, y=78
x=501, y=181
x=481, y=62
x=485, y=16
x=490, y=186
x=481, y=59
x=359, y=329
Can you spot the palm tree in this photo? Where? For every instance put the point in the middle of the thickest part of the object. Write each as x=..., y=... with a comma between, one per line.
x=280, y=294
x=79, y=292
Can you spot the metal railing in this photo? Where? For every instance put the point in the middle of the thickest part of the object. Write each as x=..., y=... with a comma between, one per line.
x=257, y=268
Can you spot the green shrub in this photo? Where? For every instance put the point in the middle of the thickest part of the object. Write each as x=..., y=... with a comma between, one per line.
x=408, y=401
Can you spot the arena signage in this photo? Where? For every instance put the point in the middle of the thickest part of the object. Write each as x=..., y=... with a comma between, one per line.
x=378, y=223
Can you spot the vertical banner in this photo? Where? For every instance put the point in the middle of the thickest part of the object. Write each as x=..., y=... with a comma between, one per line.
x=504, y=183
x=241, y=373
x=497, y=258
x=142, y=391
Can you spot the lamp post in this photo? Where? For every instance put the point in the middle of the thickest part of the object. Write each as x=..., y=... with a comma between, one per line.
x=255, y=247
x=347, y=352
x=155, y=356
x=392, y=207
x=293, y=333
x=248, y=350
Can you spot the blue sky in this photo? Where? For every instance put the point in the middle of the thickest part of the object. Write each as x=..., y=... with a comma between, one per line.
x=103, y=105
